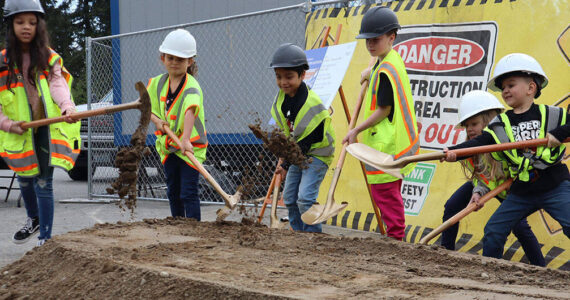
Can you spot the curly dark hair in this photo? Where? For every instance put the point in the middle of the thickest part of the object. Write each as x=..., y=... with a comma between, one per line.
x=39, y=51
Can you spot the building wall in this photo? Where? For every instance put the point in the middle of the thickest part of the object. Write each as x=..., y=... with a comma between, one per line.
x=136, y=15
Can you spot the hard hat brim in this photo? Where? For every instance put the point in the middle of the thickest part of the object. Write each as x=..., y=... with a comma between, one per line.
x=368, y=35
x=176, y=53
x=287, y=65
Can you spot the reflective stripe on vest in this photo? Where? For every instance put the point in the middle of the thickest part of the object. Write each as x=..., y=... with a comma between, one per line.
x=325, y=151
x=397, y=137
x=20, y=161
x=304, y=122
x=276, y=112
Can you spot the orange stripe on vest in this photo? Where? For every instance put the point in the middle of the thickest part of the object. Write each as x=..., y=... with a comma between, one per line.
x=17, y=155
x=26, y=168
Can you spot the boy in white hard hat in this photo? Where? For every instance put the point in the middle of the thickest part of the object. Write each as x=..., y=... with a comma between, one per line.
x=476, y=110
x=176, y=98
x=541, y=180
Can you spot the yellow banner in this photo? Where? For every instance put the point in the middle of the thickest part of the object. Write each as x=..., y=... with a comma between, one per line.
x=450, y=48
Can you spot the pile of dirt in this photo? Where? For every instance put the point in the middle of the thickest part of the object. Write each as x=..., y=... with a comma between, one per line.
x=128, y=158
x=182, y=258
x=280, y=145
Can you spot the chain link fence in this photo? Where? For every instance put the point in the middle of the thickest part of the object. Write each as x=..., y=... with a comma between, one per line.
x=237, y=83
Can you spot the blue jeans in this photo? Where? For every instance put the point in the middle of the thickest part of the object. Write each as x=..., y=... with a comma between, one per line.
x=182, y=183
x=460, y=199
x=300, y=192
x=38, y=191
x=556, y=202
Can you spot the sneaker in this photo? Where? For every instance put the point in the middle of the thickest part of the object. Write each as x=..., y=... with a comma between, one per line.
x=41, y=242
x=29, y=230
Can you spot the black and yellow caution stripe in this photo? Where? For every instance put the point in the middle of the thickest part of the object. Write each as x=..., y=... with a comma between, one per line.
x=413, y=234
x=402, y=5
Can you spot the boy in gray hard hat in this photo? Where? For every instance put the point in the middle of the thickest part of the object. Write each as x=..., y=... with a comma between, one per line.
x=390, y=120
x=300, y=113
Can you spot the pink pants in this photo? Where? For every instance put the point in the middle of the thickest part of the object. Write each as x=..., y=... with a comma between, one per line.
x=388, y=198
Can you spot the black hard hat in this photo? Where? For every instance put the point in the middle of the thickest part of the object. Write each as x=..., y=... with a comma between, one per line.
x=289, y=55
x=12, y=7
x=377, y=21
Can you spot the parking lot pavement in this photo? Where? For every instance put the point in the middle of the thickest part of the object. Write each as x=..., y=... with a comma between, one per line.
x=77, y=216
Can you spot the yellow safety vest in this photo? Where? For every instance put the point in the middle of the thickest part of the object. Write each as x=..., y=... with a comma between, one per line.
x=488, y=182
x=521, y=163
x=311, y=114
x=190, y=96
x=18, y=151
x=398, y=137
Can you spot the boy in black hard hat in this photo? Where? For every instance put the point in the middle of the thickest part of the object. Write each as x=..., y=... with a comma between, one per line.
x=390, y=120
x=300, y=113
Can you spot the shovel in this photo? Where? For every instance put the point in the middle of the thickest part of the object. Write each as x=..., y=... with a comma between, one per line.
x=386, y=162
x=319, y=213
x=275, y=222
x=466, y=211
x=230, y=200
x=143, y=103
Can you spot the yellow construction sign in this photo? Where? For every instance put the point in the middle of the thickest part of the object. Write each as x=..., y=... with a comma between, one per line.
x=449, y=48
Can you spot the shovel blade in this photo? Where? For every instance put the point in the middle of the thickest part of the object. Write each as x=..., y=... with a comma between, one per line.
x=375, y=159
x=233, y=200
x=319, y=213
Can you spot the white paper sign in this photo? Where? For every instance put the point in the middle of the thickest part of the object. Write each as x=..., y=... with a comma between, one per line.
x=327, y=67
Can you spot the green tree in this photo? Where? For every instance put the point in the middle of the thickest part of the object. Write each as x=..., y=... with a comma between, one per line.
x=69, y=23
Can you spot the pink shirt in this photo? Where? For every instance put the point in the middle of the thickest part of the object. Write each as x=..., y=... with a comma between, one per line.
x=58, y=89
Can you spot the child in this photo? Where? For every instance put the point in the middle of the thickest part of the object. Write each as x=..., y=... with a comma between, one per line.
x=390, y=120
x=476, y=110
x=300, y=113
x=177, y=99
x=541, y=180
x=34, y=85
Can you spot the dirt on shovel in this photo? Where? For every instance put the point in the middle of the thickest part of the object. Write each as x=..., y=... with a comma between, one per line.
x=281, y=145
x=128, y=162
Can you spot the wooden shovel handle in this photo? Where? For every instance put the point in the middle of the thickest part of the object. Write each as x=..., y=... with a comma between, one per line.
x=502, y=147
x=421, y=157
x=83, y=114
x=193, y=159
x=351, y=125
x=466, y=211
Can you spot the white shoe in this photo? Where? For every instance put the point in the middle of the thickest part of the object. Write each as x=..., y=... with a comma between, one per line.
x=41, y=242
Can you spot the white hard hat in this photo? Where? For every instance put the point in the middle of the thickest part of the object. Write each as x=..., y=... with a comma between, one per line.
x=179, y=43
x=517, y=62
x=475, y=102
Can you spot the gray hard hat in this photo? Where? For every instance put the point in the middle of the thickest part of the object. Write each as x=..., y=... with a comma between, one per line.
x=289, y=55
x=377, y=21
x=12, y=7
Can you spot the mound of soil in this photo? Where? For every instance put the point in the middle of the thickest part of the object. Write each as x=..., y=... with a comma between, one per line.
x=180, y=258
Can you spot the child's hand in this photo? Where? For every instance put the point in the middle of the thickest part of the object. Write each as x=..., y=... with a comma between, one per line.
x=159, y=123
x=16, y=128
x=67, y=115
x=186, y=146
x=475, y=200
x=552, y=141
x=351, y=136
x=280, y=171
x=365, y=75
x=450, y=156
